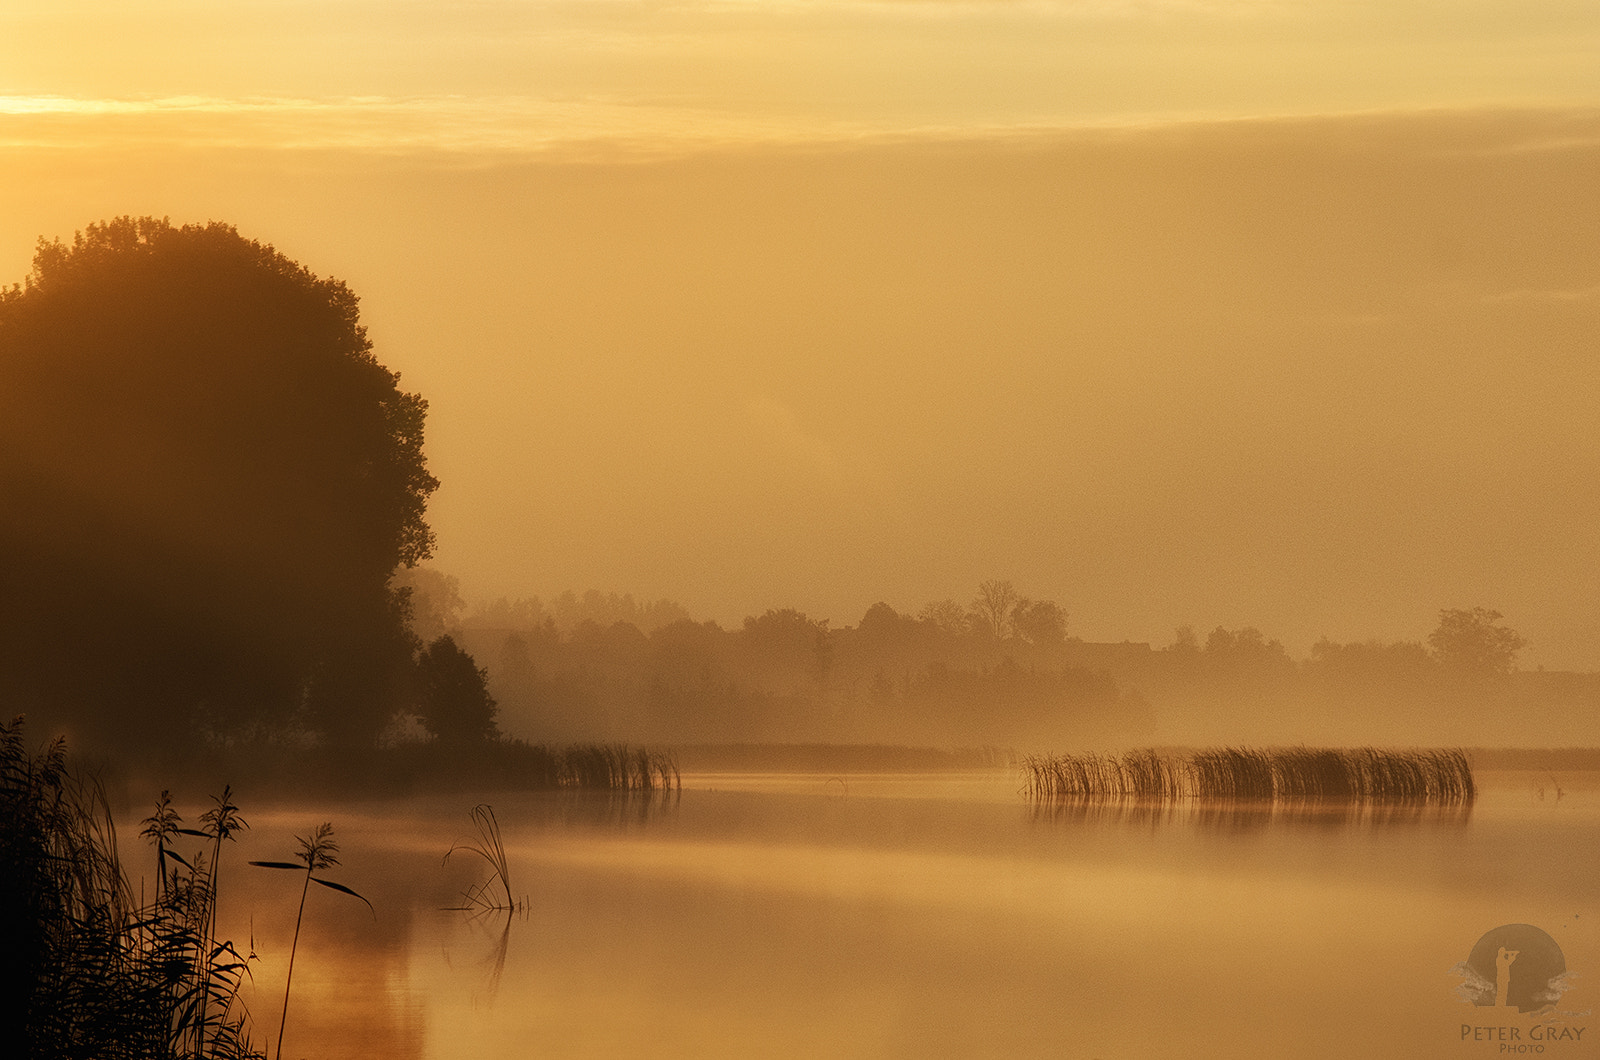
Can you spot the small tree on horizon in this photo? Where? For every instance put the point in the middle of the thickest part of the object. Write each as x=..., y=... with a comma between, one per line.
x=453, y=691
x=995, y=608
x=1473, y=642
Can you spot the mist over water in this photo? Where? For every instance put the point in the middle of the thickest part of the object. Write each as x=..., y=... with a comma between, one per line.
x=909, y=915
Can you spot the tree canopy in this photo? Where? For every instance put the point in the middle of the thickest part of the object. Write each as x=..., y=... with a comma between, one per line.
x=454, y=701
x=209, y=480
x=1473, y=642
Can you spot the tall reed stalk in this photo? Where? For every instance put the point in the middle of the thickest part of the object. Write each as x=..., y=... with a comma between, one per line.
x=317, y=851
x=203, y=974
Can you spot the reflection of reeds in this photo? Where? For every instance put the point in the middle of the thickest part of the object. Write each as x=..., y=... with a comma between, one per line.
x=1294, y=774
x=614, y=810
x=1225, y=815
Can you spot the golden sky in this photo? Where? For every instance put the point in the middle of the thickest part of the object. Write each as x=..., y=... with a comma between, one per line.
x=1244, y=312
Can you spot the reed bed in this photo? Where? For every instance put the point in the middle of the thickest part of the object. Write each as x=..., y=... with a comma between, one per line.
x=1294, y=774
x=93, y=972
x=602, y=767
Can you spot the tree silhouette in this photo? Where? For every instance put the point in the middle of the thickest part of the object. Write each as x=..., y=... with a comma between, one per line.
x=209, y=480
x=434, y=599
x=1473, y=642
x=1040, y=622
x=455, y=702
x=947, y=616
x=785, y=648
x=995, y=606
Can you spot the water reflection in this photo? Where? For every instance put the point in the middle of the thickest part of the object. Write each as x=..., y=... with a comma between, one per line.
x=487, y=954
x=489, y=906
x=879, y=921
x=621, y=810
x=1249, y=815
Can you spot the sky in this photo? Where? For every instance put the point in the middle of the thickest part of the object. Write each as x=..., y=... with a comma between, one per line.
x=1272, y=313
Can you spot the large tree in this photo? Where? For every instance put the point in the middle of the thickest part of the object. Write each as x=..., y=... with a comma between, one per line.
x=208, y=481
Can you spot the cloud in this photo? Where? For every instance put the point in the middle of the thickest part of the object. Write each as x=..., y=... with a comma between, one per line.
x=1076, y=10
x=498, y=124
x=621, y=126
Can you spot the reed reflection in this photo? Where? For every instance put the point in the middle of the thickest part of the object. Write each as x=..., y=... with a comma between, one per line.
x=494, y=928
x=1238, y=815
x=490, y=903
x=491, y=906
x=620, y=811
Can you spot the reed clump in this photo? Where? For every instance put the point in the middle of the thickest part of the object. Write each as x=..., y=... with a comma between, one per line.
x=1441, y=776
x=610, y=767
x=94, y=973
x=486, y=897
x=513, y=764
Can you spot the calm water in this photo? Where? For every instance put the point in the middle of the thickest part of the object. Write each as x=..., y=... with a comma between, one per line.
x=928, y=916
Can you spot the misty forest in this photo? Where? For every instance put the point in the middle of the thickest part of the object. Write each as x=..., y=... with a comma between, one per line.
x=216, y=516
x=213, y=571
x=215, y=520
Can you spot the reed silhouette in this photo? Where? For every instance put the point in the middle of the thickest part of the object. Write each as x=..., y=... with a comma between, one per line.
x=600, y=767
x=317, y=851
x=486, y=903
x=1294, y=774
x=488, y=846
x=91, y=971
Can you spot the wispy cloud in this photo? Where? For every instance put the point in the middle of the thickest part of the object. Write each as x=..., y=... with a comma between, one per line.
x=452, y=123
x=513, y=75
x=614, y=124
x=509, y=124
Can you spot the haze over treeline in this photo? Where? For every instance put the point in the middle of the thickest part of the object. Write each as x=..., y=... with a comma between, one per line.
x=1217, y=311
x=217, y=515
x=993, y=667
x=1323, y=375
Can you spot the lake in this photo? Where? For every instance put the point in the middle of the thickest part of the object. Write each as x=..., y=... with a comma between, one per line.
x=932, y=915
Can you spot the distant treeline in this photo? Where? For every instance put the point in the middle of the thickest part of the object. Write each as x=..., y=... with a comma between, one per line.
x=785, y=677
x=1000, y=670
